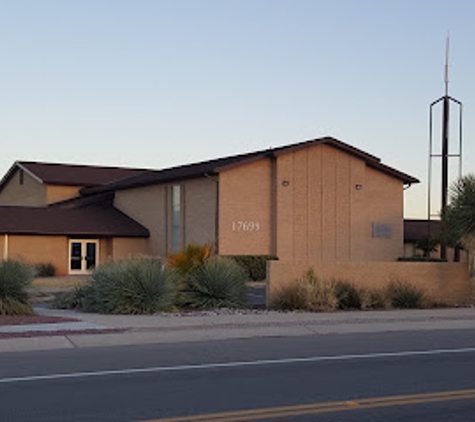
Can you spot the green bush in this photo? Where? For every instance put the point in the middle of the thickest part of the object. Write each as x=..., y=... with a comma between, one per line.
x=218, y=283
x=15, y=277
x=419, y=258
x=46, y=269
x=133, y=286
x=404, y=295
x=348, y=295
x=255, y=265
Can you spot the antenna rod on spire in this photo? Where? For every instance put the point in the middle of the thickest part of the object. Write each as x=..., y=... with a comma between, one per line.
x=447, y=47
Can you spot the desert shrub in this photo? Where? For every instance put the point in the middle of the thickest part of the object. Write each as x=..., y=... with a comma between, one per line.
x=15, y=277
x=71, y=299
x=290, y=297
x=45, y=269
x=348, y=295
x=255, y=265
x=218, y=283
x=133, y=286
x=192, y=256
x=309, y=293
x=320, y=295
x=404, y=295
x=374, y=299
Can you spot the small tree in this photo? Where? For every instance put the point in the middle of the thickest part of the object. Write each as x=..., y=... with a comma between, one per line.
x=427, y=245
x=458, y=218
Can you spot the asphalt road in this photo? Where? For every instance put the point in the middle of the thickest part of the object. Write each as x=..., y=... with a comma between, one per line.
x=416, y=376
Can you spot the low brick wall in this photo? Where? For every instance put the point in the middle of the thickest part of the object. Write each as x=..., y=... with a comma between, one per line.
x=444, y=282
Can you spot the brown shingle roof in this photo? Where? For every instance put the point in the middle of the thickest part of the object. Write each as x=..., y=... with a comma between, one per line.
x=94, y=220
x=212, y=167
x=76, y=175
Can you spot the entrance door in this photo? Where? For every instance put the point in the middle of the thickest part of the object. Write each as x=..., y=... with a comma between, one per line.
x=83, y=255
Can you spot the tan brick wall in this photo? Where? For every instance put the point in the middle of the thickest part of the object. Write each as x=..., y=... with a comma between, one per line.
x=30, y=193
x=244, y=201
x=320, y=214
x=56, y=193
x=147, y=205
x=151, y=207
x=40, y=249
x=123, y=248
x=200, y=210
x=55, y=249
x=445, y=282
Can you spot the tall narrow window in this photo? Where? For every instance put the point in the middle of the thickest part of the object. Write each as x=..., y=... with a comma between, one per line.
x=176, y=218
x=22, y=176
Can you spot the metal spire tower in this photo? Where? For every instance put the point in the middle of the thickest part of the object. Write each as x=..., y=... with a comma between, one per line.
x=445, y=154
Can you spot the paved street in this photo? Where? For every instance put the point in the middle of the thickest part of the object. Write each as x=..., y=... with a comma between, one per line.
x=156, y=381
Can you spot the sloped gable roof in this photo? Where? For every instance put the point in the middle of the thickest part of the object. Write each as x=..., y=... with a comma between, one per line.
x=85, y=221
x=213, y=167
x=71, y=174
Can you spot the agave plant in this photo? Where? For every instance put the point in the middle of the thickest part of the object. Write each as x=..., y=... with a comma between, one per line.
x=15, y=277
x=218, y=283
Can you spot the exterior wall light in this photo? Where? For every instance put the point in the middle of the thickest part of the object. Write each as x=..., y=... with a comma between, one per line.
x=285, y=183
x=358, y=186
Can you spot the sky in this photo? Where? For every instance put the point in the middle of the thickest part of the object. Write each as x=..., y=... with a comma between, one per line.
x=159, y=83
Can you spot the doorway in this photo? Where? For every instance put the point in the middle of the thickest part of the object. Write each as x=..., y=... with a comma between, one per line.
x=83, y=255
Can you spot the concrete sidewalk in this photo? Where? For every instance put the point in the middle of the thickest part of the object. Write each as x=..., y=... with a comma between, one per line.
x=166, y=328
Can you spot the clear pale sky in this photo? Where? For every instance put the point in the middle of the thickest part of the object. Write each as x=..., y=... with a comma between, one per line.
x=158, y=83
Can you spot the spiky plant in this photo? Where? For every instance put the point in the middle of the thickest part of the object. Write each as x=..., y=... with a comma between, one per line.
x=218, y=283
x=458, y=218
x=133, y=286
x=15, y=277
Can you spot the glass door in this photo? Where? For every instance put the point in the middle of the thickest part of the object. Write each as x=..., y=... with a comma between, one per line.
x=83, y=255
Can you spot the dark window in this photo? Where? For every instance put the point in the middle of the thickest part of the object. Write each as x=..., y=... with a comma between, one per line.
x=176, y=218
x=22, y=177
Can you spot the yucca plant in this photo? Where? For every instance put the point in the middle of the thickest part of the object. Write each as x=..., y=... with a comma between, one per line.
x=133, y=286
x=218, y=283
x=15, y=277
